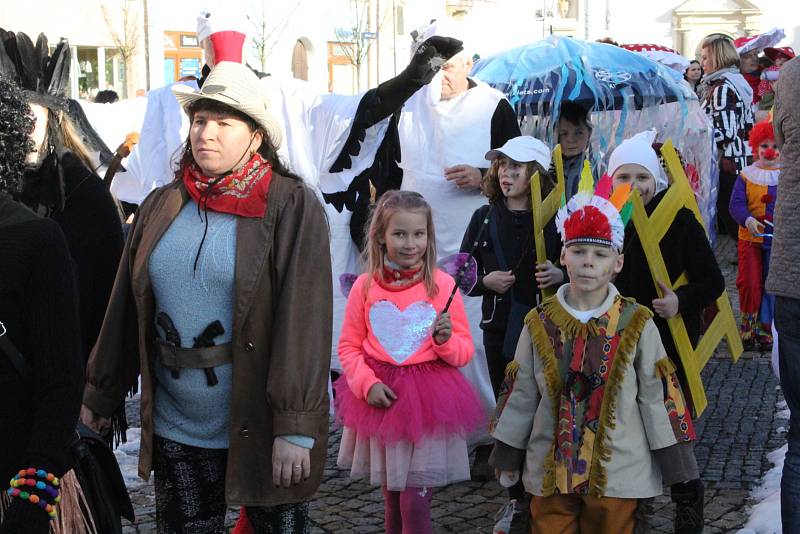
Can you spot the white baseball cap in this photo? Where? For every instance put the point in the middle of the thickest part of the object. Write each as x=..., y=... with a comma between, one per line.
x=523, y=149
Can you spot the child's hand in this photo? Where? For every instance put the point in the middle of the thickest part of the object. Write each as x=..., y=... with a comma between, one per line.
x=754, y=226
x=380, y=396
x=506, y=478
x=499, y=281
x=548, y=275
x=666, y=306
x=443, y=329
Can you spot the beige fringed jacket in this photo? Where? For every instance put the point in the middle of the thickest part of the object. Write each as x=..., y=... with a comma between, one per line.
x=596, y=434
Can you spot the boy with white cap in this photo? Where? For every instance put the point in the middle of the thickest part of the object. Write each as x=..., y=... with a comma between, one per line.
x=589, y=405
x=509, y=279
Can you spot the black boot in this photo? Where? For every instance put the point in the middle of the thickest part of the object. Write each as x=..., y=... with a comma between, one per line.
x=689, y=499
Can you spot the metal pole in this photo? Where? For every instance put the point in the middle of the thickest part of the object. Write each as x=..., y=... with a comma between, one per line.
x=394, y=37
x=378, y=40
x=146, y=45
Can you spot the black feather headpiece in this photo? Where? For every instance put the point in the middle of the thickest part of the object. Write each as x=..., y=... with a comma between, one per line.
x=44, y=76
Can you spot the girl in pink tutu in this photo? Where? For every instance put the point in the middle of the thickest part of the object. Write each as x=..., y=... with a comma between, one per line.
x=405, y=407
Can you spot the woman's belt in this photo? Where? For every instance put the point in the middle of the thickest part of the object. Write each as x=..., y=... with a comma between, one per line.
x=196, y=358
x=205, y=354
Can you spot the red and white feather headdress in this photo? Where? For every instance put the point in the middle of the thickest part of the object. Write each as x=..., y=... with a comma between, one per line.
x=595, y=217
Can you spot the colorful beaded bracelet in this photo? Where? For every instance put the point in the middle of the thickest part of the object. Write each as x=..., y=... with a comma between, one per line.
x=24, y=484
x=31, y=483
x=40, y=473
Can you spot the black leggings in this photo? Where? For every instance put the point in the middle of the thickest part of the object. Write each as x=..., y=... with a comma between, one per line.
x=190, y=494
x=493, y=345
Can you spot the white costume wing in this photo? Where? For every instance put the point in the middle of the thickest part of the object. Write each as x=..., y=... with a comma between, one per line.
x=316, y=128
x=152, y=162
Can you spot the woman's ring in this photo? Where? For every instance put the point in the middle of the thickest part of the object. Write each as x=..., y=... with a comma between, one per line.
x=298, y=467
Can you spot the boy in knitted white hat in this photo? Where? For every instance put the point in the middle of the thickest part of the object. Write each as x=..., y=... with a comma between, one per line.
x=589, y=413
x=686, y=251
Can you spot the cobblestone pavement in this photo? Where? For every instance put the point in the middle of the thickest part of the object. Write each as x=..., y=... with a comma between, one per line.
x=737, y=430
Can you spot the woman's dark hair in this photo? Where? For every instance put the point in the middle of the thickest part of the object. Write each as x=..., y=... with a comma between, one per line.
x=687, y=71
x=106, y=96
x=16, y=126
x=267, y=150
x=764, y=62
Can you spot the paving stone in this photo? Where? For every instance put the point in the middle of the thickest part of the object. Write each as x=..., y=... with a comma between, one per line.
x=735, y=433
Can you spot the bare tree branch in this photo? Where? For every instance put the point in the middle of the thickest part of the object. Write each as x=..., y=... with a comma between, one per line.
x=265, y=38
x=125, y=40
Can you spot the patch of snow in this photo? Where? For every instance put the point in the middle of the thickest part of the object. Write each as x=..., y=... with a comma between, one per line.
x=765, y=517
x=128, y=458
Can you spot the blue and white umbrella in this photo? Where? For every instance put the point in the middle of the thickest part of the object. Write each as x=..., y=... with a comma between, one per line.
x=625, y=92
x=596, y=75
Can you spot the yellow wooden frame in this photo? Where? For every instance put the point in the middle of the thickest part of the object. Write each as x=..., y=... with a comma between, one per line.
x=651, y=230
x=544, y=210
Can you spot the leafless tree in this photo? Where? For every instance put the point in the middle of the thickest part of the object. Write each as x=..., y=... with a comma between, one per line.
x=267, y=33
x=354, y=43
x=125, y=37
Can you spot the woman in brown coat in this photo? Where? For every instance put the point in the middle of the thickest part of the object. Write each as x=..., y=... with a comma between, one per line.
x=222, y=304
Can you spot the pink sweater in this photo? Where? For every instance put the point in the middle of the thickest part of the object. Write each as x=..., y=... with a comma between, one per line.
x=396, y=327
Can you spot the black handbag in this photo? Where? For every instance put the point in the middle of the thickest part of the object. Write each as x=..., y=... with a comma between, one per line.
x=93, y=463
x=98, y=473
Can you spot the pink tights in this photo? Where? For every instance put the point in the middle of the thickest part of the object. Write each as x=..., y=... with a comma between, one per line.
x=408, y=511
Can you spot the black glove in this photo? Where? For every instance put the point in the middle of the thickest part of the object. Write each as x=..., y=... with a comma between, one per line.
x=427, y=61
x=430, y=56
x=389, y=97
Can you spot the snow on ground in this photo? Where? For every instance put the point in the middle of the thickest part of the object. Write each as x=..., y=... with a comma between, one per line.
x=765, y=516
x=128, y=458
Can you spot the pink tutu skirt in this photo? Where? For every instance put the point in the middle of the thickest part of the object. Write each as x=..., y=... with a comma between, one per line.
x=420, y=440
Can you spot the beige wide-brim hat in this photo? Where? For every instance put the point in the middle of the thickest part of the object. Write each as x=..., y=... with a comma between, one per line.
x=237, y=86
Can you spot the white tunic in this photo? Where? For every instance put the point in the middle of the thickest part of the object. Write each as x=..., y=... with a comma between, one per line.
x=436, y=134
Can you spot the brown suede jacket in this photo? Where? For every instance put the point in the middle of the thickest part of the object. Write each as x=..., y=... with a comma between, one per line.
x=281, y=336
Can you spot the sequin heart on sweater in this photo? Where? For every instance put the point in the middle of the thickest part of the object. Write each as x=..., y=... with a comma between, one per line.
x=401, y=333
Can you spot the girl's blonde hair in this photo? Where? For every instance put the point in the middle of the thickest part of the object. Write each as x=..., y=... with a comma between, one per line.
x=491, y=182
x=390, y=203
x=723, y=53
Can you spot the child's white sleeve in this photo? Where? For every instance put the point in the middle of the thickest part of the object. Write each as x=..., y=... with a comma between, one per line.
x=657, y=407
x=518, y=399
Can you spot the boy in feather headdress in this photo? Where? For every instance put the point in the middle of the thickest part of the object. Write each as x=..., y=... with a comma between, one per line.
x=593, y=408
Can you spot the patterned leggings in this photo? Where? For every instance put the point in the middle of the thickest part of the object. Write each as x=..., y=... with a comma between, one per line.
x=190, y=494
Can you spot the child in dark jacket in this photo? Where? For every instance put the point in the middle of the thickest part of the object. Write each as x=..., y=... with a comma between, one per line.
x=573, y=132
x=509, y=279
x=685, y=248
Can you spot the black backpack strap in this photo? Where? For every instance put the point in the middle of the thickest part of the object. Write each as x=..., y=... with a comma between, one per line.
x=8, y=348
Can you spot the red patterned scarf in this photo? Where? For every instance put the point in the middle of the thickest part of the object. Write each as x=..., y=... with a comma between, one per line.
x=242, y=192
x=398, y=279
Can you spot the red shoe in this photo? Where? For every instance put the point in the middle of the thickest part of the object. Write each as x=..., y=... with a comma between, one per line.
x=243, y=525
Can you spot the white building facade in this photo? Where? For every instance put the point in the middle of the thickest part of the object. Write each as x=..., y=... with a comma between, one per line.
x=317, y=40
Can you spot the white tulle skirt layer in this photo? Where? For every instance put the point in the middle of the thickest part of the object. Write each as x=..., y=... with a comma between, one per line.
x=433, y=462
